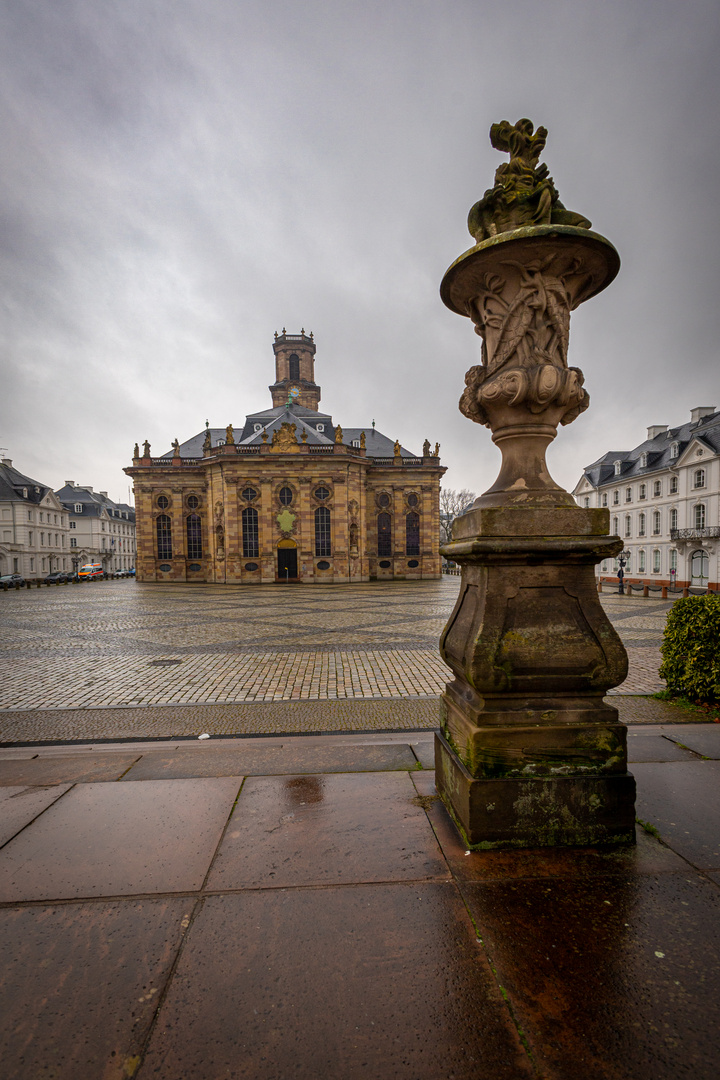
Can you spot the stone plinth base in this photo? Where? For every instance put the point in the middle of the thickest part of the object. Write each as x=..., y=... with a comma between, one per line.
x=538, y=812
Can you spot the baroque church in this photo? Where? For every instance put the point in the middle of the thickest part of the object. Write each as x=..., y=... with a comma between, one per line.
x=290, y=497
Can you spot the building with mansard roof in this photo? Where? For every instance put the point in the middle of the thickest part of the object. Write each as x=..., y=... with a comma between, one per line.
x=101, y=530
x=289, y=495
x=664, y=502
x=33, y=526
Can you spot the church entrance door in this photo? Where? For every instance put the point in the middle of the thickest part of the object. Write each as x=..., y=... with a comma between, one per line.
x=287, y=563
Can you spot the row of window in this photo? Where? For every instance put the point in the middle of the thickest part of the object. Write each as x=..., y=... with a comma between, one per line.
x=286, y=496
x=698, y=517
x=656, y=562
x=698, y=482
x=251, y=542
x=49, y=539
x=40, y=517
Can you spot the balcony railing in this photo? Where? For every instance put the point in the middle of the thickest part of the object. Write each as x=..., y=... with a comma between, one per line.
x=709, y=532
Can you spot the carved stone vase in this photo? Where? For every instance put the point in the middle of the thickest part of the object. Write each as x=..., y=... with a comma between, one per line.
x=530, y=753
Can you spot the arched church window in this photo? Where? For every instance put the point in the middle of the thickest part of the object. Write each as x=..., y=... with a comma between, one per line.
x=286, y=496
x=294, y=367
x=251, y=547
x=412, y=534
x=164, y=536
x=194, y=536
x=322, y=531
x=384, y=531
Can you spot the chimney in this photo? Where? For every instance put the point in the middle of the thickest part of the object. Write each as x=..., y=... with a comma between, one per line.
x=7, y=461
x=656, y=429
x=69, y=483
x=88, y=488
x=104, y=494
x=696, y=415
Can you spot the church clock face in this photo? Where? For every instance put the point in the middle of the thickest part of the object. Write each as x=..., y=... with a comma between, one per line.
x=294, y=392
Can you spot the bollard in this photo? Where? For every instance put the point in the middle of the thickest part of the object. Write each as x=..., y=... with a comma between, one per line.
x=28, y=584
x=663, y=592
x=17, y=586
x=646, y=591
x=599, y=586
x=38, y=583
x=628, y=589
x=686, y=592
x=5, y=586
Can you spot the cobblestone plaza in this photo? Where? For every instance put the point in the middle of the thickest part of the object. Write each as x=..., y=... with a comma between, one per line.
x=251, y=660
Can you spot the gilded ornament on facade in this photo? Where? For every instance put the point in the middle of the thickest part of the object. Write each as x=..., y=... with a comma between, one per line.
x=284, y=441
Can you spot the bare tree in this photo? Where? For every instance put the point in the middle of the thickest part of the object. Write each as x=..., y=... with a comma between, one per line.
x=452, y=503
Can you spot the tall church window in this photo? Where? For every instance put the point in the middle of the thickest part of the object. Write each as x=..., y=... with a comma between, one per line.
x=384, y=528
x=322, y=531
x=251, y=547
x=164, y=537
x=294, y=367
x=412, y=534
x=194, y=537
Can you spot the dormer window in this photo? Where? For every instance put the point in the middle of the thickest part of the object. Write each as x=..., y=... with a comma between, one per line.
x=674, y=450
x=78, y=508
x=319, y=427
x=618, y=466
x=643, y=461
x=24, y=493
x=356, y=442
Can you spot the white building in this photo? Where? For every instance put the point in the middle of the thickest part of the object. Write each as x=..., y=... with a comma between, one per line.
x=34, y=526
x=664, y=502
x=100, y=530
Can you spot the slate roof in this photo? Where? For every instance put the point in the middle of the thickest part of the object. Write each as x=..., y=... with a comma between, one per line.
x=93, y=503
x=13, y=482
x=270, y=420
x=706, y=431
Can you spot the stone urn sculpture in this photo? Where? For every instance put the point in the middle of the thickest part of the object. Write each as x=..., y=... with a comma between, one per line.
x=530, y=753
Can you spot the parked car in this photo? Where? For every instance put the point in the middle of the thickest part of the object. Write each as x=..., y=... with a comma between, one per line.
x=12, y=580
x=131, y=572
x=57, y=575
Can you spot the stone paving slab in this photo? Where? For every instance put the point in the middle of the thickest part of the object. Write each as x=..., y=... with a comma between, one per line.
x=81, y=768
x=154, y=836
x=292, y=757
x=21, y=805
x=322, y=830
x=80, y=984
x=682, y=800
x=383, y=981
x=569, y=952
x=703, y=741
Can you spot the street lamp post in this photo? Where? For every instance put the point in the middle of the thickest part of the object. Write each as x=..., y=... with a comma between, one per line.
x=622, y=559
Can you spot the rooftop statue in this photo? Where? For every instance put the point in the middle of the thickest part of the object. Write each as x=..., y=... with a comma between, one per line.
x=524, y=193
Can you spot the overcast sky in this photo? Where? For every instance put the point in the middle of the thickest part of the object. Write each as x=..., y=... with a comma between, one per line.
x=182, y=178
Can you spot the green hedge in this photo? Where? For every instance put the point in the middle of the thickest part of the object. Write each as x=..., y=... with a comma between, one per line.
x=691, y=648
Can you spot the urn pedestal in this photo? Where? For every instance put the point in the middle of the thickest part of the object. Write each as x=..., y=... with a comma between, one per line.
x=530, y=753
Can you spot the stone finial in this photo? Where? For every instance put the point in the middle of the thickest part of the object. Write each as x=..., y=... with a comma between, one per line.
x=338, y=434
x=426, y=448
x=229, y=436
x=436, y=451
x=304, y=435
x=264, y=436
x=362, y=440
x=136, y=451
x=146, y=449
x=523, y=193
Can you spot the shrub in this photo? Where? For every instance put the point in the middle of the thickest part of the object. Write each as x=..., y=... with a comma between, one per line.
x=691, y=648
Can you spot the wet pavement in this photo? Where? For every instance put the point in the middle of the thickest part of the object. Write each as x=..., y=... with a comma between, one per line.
x=118, y=659
x=303, y=907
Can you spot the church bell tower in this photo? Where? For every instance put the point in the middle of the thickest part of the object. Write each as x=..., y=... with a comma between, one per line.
x=295, y=370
